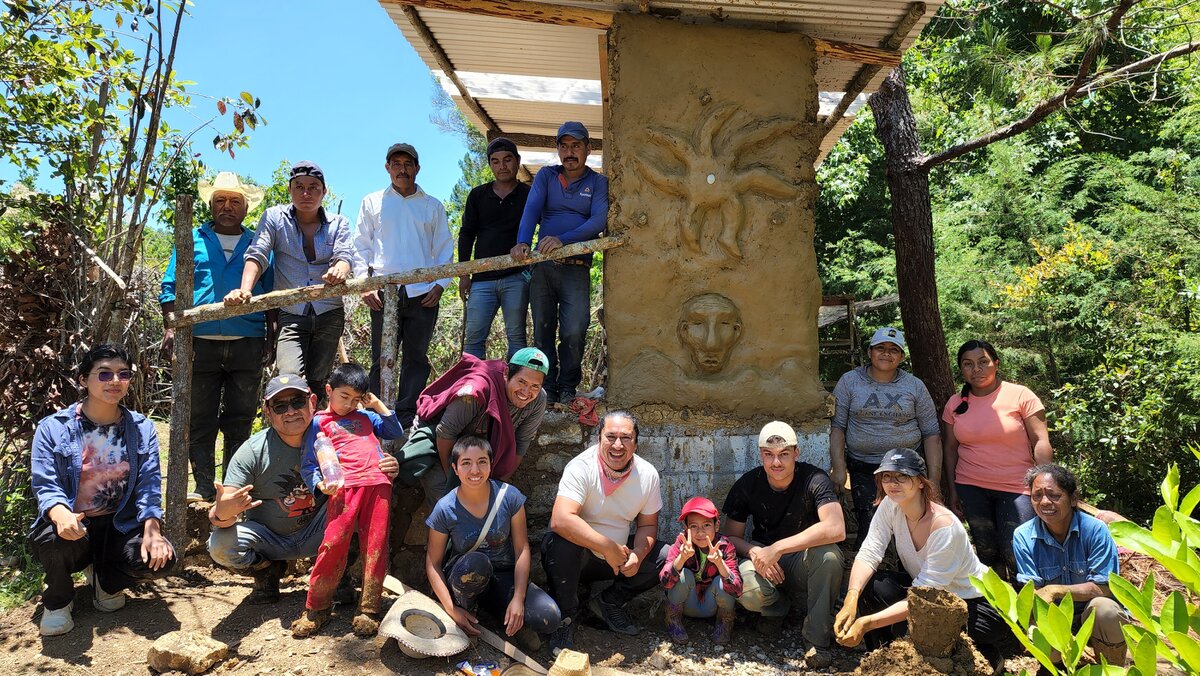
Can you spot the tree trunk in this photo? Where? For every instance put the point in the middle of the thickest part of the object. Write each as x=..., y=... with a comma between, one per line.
x=912, y=226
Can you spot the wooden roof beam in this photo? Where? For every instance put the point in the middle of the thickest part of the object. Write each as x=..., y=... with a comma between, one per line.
x=563, y=15
x=863, y=78
x=543, y=141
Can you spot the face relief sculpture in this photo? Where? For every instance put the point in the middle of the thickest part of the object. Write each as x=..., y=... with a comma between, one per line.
x=709, y=326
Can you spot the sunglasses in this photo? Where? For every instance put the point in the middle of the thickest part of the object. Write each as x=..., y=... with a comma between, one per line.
x=124, y=375
x=295, y=404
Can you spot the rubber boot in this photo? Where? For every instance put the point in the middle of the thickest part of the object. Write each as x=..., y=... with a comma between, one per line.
x=724, y=628
x=675, y=630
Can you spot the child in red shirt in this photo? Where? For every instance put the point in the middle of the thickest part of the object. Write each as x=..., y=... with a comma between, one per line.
x=363, y=499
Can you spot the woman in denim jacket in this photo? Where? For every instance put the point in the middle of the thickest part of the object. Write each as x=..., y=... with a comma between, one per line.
x=98, y=488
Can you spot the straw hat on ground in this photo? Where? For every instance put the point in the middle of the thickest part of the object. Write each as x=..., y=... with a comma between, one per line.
x=227, y=181
x=422, y=628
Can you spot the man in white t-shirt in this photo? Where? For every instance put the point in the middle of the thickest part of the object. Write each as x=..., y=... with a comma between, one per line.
x=603, y=491
x=228, y=353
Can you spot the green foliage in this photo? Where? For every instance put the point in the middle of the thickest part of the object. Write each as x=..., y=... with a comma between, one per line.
x=1042, y=627
x=1172, y=540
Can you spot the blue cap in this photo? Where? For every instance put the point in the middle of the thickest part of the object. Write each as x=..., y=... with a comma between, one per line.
x=574, y=130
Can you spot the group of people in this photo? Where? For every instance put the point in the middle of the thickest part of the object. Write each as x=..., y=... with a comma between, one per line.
x=318, y=473
x=399, y=228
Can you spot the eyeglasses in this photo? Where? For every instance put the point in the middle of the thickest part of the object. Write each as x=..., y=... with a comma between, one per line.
x=895, y=478
x=295, y=404
x=124, y=375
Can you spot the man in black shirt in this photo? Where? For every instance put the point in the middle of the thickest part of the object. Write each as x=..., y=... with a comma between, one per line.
x=489, y=228
x=793, y=550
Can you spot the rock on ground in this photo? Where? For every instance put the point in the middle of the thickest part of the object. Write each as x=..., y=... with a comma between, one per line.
x=187, y=651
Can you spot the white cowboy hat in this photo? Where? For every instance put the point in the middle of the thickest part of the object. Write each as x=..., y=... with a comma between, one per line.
x=227, y=181
x=422, y=628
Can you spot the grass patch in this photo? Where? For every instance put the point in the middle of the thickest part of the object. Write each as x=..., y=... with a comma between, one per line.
x=20, y=579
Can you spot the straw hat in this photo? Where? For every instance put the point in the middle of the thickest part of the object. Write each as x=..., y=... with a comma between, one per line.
x=227, y=181
x=422, y=628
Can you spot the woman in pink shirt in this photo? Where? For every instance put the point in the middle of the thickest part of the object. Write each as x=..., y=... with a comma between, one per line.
x=995, y=432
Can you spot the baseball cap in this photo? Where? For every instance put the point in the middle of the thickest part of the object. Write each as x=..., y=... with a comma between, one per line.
x=307, y=168
x=285, y=381
x=405, y=148
x=698, y=505
x=888, y=334
x=574, y=130
x=500, y=143
x=532, y=358
x=776, y=429
x=902, y=460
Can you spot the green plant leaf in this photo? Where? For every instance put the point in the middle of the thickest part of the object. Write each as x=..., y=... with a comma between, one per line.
x=1164, y=528
x=1170, y=487
x=1174, y=615
x=1189, y=502
x=1189, y=528
x=1074, y=649
x=1144, y=654
x=1132, y=536
x=1188, y=650
x=248, y=98
x=1024, y=605
x=1055, y=625
x=1131, y=597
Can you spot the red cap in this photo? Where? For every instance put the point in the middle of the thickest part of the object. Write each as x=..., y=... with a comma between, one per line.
x=702, y=506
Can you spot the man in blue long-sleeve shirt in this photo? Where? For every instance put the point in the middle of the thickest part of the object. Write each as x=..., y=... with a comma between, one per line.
x=568, y=203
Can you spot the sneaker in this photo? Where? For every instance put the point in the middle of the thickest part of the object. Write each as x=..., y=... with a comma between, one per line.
x=614, y=616
x=563, y=638
x=57, y=622
x=102, y=600
x=818, y=658
x=266, y=583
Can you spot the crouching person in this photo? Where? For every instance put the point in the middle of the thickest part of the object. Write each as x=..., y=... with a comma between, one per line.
x=701, y=574
x=483, y=520
x=264, y=514
x=1065, y=551
x=97, y=483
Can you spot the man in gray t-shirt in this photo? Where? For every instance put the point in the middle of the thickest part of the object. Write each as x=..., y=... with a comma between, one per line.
x=264, y=514
x=880, y=407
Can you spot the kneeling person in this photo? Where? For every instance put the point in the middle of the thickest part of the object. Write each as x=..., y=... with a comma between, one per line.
x=793, y=550
x=1065, y=551
x=602, y=493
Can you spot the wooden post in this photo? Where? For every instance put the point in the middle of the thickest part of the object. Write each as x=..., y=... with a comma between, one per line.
x=181, y=382
x=388, y=347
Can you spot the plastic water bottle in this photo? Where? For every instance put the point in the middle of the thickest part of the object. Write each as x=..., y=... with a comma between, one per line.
x=331, y=467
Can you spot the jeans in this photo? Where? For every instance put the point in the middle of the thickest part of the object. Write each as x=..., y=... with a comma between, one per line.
x=248, y=542
x=862, y=492
x=684, y=592
x=226, y=375
x=992, y=517
x=567, y=564
x=473, y=581
x=814, y=574
x=986, y=628
x=560, y=297
x=510, y=295
x=413, y=333
x=115, y=557
x=307, y=346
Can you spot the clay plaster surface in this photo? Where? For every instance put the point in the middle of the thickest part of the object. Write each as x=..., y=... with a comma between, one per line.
x=709, y=147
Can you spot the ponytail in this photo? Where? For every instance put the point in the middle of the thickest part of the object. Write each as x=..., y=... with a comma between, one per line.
x=962, y=406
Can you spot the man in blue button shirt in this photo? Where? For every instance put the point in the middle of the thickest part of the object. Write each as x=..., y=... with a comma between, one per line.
x=1066, y=551
x=229, y=353
x=568, y=203
x=309, y=246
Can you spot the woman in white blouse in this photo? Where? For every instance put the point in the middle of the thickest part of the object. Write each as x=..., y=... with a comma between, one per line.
x=934, y=551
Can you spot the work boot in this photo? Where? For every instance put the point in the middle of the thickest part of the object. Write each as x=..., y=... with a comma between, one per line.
x=266, y=582
x=724, y=628
x=818, y=658
x=307, y=624
x=675, y=629
x=771, y=628
x=563, y=638
x=366, y=624
x=614, y=616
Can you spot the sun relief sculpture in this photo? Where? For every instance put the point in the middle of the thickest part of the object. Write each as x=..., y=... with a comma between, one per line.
x=719, y=170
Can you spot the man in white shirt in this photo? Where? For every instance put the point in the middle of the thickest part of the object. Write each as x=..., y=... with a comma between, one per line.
x=603, y=491
x=402, y=228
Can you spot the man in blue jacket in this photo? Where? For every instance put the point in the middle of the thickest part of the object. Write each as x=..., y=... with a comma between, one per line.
x=568, y=203
x=228, y=353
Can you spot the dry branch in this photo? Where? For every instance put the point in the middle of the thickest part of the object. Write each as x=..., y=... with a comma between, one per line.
x=276, y=299
x=181, y=382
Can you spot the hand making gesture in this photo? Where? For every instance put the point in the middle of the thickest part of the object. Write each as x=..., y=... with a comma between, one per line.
x=686, y=552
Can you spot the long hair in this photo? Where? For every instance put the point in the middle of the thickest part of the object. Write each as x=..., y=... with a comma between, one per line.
x=966, y=388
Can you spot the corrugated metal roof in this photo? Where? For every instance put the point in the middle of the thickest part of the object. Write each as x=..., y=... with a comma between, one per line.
x=486, y=44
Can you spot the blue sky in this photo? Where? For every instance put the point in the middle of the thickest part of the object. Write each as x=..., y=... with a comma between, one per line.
x=338, y=83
